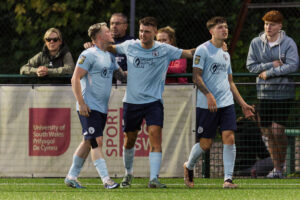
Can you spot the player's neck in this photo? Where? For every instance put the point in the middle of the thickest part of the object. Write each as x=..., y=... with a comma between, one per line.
x=148, y=45
x=273, y=38
x=102, y=46
x=217, y=43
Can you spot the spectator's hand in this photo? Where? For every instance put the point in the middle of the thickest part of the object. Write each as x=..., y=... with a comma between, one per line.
x=248, y=111
x=42, y=71
x=84, y=110
x=87, y=45
x=211, y=102
x=263, y=75
x=277, y=63
x=224, y=47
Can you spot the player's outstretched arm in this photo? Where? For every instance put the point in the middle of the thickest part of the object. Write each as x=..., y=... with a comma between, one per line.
x=112, y=49
x=247, y=109
x=197, y=79
x=188, y=53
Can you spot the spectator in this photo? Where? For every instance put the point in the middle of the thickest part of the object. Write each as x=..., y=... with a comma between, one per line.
x=55, y=58
x=167, y=35
x=273, y=55
x=252, y=157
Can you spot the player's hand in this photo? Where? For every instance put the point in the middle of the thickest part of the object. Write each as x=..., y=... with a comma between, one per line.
x=248, y=111
x=224, y=46
x=84, y=110
x=211, y=102
x=87, y=45
x=263, y=75
x=277, y=63
x=42, y=71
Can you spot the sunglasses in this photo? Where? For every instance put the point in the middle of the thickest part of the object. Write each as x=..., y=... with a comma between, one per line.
x=53, y=39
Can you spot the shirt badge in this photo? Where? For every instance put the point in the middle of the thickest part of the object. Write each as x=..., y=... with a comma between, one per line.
x=155, y=53
x=225, y=57
x=197, y=59
x=82, y=59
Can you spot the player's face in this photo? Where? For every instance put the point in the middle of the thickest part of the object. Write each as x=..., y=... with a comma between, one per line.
x=272, y=28
x=53, y=42
x=105, y=35
x=220, y=31
x=147, y=34
x=118, y=26
x=164, y=38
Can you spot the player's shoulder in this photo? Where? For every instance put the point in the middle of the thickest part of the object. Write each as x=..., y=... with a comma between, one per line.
x=203, y=48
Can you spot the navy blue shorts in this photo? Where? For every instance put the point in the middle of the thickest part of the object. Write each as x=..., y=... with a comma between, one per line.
x=207, y=122
x=93, y=125
x=133, y=115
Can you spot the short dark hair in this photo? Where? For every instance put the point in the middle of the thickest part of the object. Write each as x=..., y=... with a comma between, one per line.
x=214, y=21
x=273, y=16
x=121, y=15
x=148, y=21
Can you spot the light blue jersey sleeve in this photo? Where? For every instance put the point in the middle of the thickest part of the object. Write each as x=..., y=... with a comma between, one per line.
x=114, y=62
x=123, y=47
x=85, y=60
x=200, y=57
x=174, y=53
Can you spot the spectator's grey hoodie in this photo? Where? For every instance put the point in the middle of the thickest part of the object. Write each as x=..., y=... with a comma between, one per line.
x=260, y=58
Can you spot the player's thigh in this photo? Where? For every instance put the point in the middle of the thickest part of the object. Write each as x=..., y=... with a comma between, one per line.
x=206, y=123
x=154, y=114
x=227, y=118
x=93, y=126
x=133, y=115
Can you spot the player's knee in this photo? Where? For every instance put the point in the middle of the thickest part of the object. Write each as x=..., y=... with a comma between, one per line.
x=93, y=143
x=205, y=145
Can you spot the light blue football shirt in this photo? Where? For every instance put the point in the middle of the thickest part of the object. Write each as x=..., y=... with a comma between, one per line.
x=96, y=84
x=147, y=70
x=216, y=66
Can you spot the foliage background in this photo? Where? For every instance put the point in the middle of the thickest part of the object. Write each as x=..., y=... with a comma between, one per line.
x=24, y=22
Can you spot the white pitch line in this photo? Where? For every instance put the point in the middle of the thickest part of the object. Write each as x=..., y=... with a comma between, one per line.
x=174, y=184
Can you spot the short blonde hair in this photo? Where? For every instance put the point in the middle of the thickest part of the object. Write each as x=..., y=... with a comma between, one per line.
x=171, y=33
x=53, y=30
x=94, y=29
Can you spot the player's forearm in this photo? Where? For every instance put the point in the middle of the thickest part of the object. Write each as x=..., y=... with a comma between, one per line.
x=201, y=85
x=76, y=88
x=120, y=75
x=236, y=95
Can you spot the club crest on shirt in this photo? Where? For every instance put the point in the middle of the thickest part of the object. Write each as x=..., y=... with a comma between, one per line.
x=155, y=53
x=225, y=57
x=197, y=59
x=82, y=59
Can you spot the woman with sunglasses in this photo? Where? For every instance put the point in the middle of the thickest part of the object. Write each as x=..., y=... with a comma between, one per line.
x=55, y=58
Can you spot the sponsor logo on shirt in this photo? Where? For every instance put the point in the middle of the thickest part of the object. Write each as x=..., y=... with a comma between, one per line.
x=142, y=62
x=106, y=73
x=216, y=68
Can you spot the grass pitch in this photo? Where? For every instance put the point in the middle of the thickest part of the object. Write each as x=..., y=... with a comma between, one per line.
x=211, y=189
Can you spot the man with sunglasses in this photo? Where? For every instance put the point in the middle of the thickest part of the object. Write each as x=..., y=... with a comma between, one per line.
x=55, y=58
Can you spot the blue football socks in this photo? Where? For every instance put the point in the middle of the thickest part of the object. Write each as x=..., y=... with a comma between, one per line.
x=194, y=156
x=155, y=162
x=229, y=153
x=75, y=167
x=101, y=168
x=128, y=156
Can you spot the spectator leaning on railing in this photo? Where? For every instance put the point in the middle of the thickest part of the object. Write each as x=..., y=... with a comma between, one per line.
x=55, y=58
x=273, y=55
